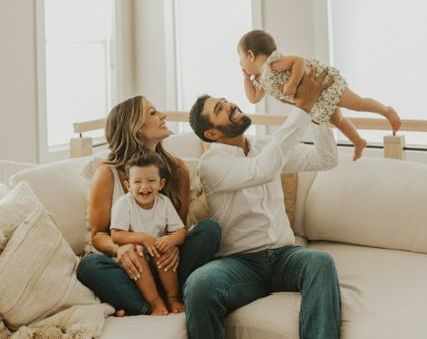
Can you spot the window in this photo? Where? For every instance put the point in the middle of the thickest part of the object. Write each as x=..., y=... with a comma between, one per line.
x=79, y=57
x=379, y=48
x=206, y=36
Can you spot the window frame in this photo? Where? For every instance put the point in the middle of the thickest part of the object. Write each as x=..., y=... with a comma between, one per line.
x=45, y=152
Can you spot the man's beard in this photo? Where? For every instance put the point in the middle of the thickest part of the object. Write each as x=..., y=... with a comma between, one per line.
x=234, y=129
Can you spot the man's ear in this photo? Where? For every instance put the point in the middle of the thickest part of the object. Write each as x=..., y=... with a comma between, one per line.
x=162, y=183
x=212, y=134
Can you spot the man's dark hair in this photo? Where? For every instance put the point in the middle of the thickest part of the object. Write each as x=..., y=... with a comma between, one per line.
x=199, y=122
x=147, y=159
x=257, y=41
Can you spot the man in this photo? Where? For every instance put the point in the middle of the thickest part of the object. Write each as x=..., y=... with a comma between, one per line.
x=241, y=178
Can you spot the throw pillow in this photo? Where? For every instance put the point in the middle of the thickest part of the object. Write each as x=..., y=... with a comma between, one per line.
x=198, y=207
x=37, y=269
x=14, y=208
x=3, y=190
x=290, y=187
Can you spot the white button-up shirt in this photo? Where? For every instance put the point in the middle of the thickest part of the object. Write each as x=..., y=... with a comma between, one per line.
x=244, y=193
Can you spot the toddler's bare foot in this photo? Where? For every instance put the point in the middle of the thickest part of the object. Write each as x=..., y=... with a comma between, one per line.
x=358, y=149
x=394, y=119
x=120, y=313
x=175, y=305
x=158, y=307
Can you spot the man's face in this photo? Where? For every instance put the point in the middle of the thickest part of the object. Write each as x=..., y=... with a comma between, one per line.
x=226, y=117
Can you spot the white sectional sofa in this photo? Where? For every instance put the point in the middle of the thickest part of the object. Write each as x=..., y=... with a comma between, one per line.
x=370, y=215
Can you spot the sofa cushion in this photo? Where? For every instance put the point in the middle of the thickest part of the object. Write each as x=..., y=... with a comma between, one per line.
x=273, y=317
x=371, y=202
x=171, y=326
x=184, y=145
x=383, y=292
x=62, y=191
x=37, y=271
x=15, y=207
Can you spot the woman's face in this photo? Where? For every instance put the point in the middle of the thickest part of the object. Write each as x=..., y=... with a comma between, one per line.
x=154, y=128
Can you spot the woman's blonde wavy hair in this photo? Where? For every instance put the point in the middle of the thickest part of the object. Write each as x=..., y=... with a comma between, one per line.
x=123, y=134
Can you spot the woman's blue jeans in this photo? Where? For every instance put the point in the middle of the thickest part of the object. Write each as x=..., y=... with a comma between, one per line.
x=225, y=284
x=112, y=285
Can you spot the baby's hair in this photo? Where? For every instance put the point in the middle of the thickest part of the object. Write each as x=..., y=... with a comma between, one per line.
x=257, y=41
x=147, y=159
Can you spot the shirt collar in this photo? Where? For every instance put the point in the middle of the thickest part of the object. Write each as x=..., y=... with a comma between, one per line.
x=235, y=150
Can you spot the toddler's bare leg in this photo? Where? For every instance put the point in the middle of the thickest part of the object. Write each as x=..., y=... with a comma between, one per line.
x=352, y=101
x=169, y=280
x=148, y=288
x=348, y=129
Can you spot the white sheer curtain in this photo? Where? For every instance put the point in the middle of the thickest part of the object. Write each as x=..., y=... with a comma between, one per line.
x=381, y=46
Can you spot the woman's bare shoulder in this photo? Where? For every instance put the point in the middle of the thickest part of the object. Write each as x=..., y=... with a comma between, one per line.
x=103, y=176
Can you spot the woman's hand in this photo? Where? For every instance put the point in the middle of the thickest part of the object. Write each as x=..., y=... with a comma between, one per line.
x=169, y=260
x=128, y=259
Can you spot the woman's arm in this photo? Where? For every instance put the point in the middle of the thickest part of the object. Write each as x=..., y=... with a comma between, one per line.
x=184, y=188
x=100, y=198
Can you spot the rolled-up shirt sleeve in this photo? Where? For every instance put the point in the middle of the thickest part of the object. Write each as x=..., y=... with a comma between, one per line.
x=321, y=156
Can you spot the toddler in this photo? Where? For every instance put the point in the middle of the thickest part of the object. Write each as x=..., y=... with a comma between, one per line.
x=266, y=70
x=146, y=217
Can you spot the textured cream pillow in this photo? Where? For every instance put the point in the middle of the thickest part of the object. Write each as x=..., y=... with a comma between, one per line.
x=15, y=206
x=37, y=269
x=3, y=191
x=290, y=187
x=198, y=209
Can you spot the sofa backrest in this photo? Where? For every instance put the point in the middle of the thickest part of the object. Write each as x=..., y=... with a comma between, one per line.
x=371, y=202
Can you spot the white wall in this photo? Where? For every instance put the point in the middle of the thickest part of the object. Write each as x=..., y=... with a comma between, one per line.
x=18, y=96
x=300, y=28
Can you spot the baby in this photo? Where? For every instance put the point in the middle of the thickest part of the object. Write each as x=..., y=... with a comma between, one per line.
x=145, y=216
x=268, y=71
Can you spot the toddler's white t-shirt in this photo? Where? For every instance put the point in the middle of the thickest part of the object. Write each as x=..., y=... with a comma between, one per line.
x=127, y=215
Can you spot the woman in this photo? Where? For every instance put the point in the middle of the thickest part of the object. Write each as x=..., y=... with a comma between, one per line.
x=132, y=127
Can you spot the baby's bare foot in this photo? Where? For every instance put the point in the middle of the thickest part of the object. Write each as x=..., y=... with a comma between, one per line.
x=158, y=307
x=394, y=119
x=358, y=149
x=175, y=305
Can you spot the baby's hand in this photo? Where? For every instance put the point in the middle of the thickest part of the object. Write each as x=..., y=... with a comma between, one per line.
x=164, y=243
x=246, y=75
x=289, y=91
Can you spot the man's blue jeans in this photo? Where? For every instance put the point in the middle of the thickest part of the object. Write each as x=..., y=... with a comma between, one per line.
x=225, y=284
x=112, y=285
